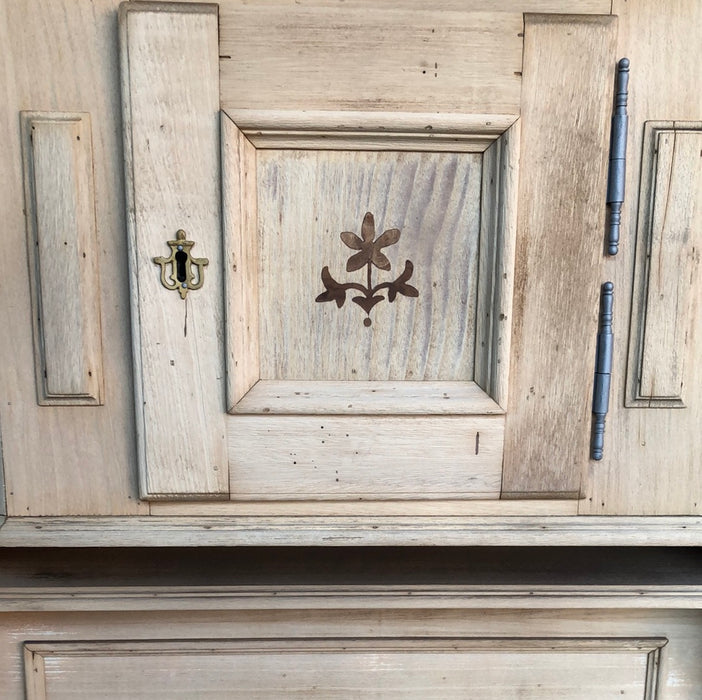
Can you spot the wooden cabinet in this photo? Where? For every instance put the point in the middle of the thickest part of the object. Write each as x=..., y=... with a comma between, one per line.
x=325, y=273
x=276, y=138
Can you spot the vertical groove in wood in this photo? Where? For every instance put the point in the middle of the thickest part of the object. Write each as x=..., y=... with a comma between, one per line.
x=170, y=93
x=566, y=106
x=498, y=225
x=63, y=257
x=3, y=496
x=240, y=230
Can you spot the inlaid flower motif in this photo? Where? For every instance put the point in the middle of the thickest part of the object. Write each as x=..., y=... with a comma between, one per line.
x=370, y=254
x=370, y=249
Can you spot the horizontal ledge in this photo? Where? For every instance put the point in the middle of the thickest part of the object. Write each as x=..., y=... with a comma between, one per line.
x=105, y=598
x=366, y=398
x=187, y=531
x=424, y=123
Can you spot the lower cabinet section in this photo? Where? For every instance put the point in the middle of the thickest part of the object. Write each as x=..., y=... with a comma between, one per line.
x=489, y=668
x=442, y=642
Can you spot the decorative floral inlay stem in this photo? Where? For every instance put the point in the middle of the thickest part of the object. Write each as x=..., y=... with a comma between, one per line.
x=369, y=254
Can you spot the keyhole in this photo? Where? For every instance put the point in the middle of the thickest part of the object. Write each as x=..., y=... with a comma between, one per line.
x=181, y=258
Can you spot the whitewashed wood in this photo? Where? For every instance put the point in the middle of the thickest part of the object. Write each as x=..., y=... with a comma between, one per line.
x=367, y=398
x=651, y=464
x=370, y=131
x=310, y=531
x=580, y=7
x=258, y=124
x=368, y=508
x=62, y=57
x=564, y=141
x=340, y=458
x=306, y=199
x=240, y=232
x=162, y=597
x=670, y=221
x=171, y=98
x=453, y=61
x=62, y=247
x=498, y=233
x=3, y=496
x=575, y=669
x=680, y=673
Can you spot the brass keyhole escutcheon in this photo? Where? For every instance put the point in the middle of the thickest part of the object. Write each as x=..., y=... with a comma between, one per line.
x=181, y=271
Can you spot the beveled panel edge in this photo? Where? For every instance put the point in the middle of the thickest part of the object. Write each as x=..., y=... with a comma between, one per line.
x=354, y=130
x=637, y=320
x=92, y=338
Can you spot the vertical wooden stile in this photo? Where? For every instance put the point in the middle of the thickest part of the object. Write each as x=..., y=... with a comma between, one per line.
x=566, y=108
x=170, y=90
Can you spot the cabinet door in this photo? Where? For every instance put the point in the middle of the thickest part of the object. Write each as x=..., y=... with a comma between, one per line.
x=396, y=300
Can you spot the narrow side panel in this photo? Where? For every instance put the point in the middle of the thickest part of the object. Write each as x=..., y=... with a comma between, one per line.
x=63, y=257
x=498, y=228
x=566, y=106
x=668, y=260
x=170, y=91
x=240, y=222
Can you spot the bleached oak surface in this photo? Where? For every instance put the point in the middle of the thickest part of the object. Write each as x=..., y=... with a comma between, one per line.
x=170, y=90
x=667, y=266
x=305, y=200
x=651, y=462
x=364, y=457
x=453, y=61
x=240, y=244
x=367, y=398
x=564, y=141
x=62, y=57
x=494, y=669
x=62, y=245
x=498, y=241
x=202, y=531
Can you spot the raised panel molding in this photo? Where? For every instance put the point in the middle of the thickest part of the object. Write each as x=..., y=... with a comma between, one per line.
x=492, y=668
x=668, y=253
x=63, y=257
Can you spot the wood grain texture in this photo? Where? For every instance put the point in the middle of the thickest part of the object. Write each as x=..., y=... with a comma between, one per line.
x=490, y=668
x=437, y=507
x=680, y=675
x=292, y=57
x=668, y=244
x=367, y=398
x=536, y=597
x=370, y=131
x=340, y=458
x=313, y=531
x=498, y=233
x=579, y=7
x=651, y=463
x=62, y=57
x=62, y=250
x=564, y=132
x=240, y=233
x=305, y=200
x=171, y=127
